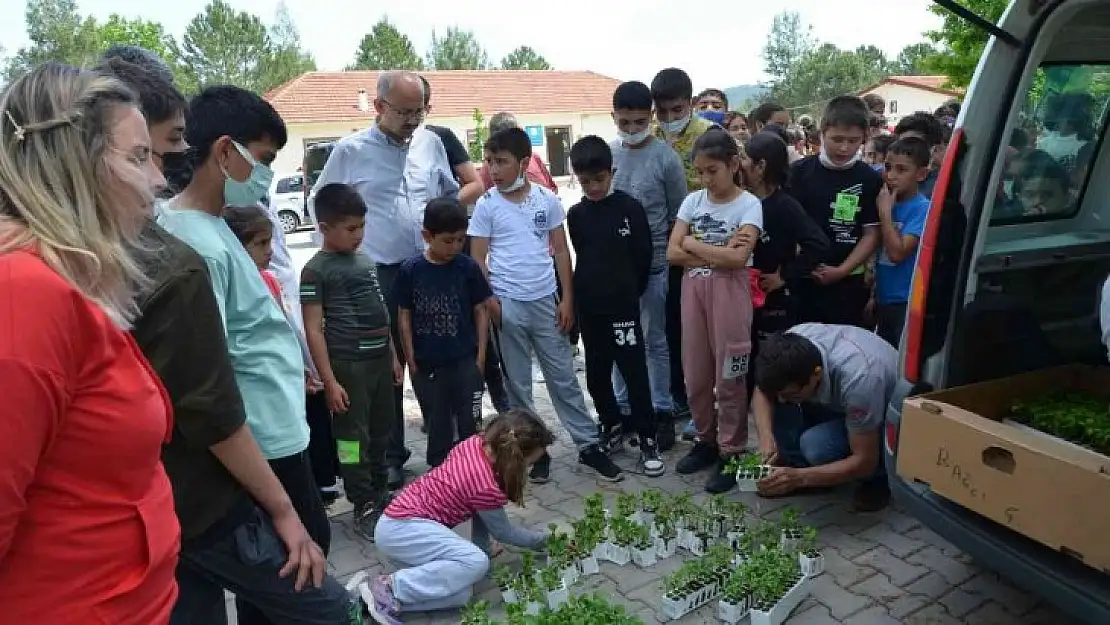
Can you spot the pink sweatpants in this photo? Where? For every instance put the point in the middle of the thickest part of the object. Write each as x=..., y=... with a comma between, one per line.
x=716, y=348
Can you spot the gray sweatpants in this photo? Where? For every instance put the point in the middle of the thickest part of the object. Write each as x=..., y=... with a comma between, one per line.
x=532, y=326
x=437, y=568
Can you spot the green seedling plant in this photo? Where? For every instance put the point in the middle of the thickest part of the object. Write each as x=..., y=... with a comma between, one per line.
x=809, y=542
x=503, y=577
x=1076, y=416
x=627, y=505
x=551, y=578
x=595, y=507
x=652, y=500
x=747, y=465
x=476, y=613
x=790, y=523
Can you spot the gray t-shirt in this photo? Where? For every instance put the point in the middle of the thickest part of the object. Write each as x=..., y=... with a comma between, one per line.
x=654, y=175
x=860, y=372
x=356, y=322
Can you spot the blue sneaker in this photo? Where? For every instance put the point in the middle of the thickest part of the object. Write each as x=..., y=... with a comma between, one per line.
x=691, y=431
x=383, y=606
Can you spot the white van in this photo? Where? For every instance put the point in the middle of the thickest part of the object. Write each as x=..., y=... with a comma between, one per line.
x=1013, y=256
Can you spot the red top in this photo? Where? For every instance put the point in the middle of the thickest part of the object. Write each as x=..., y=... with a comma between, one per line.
x=451, y=493
x=536, y=174
x=88, y=532
x=275, y=287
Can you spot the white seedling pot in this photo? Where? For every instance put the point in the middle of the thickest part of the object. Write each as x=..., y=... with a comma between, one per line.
x=510, y=596
x=790, y=543
x=557, y=597
x=601, y=551
x=589, y=565
x=665, y=548
x=571, y=575
x=620, y=555
x=782, y=609
x=533, y=608
x=747, y=483
x=733, y=613
x=698, y=546
x=644, y=557
x=675, y=609
x=811, y=567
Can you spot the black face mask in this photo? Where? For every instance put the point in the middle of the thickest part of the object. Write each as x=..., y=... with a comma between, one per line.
x=177, y=167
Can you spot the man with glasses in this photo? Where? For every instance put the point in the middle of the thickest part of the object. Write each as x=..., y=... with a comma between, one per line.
x=397, y=167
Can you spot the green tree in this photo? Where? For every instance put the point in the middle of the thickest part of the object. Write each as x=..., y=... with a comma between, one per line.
x=524, y=57
x=822, y=74
x=481, y=133
x=960, y=42
x=873, y=57
x=789, y=40
x=386, y=48
x=225, y=46
x=913, y=59
x=56, y=32
x=457, y=49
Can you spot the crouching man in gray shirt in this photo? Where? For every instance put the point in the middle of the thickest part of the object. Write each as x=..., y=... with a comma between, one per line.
x=820, y=402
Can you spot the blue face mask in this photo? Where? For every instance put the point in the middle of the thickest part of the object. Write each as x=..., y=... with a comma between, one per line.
x=254, y=188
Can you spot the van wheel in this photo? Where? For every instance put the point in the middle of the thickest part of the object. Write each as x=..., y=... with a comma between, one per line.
x=289, y=221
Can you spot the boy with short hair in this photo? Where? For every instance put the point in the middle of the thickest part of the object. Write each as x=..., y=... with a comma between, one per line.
x=875, y=152
x=612, y=242
x=712, y=100
x=838, y=191
x=347, y=326
x=652, y=173
x=441, y=306
x=902, y=211
x=514, y=228
x=676, y=124
x=928, y=128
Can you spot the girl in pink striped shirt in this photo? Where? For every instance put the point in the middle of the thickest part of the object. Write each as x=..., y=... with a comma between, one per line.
x=480, y=475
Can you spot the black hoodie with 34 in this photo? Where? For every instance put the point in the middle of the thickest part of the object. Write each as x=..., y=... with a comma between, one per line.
x=612, y=245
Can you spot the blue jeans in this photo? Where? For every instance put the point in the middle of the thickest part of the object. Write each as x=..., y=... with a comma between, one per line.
x=811, y=435
x=437, y=568
x=528, y=327
x=653, y=318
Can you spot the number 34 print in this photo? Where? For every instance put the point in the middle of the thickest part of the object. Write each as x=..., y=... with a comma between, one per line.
x=624, y=333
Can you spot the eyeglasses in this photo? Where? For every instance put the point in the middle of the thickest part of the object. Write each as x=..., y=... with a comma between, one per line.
x=417, y=114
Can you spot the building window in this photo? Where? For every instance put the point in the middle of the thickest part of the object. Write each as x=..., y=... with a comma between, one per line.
x=893, y=106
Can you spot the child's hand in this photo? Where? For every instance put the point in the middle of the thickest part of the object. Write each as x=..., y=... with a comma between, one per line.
x=825, y=274
x=311, y=384
x=338, y=402
x=885, y=201
x=686, y=243
x=771, y=282
x=398, y=372
x=564, y=316
x=741, y=239
x=494, y=306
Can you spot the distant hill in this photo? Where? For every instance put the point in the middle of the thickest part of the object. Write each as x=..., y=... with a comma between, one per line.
x=740, y=94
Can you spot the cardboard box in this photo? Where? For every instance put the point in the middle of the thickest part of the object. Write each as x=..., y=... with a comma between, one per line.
x=1040, y=486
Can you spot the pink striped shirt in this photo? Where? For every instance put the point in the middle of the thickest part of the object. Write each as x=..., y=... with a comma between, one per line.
x=453, y=492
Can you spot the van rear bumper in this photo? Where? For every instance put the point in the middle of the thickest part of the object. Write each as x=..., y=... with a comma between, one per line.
x=1070, y=586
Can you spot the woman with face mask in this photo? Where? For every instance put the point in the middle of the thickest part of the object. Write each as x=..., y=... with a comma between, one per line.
x=83, y=494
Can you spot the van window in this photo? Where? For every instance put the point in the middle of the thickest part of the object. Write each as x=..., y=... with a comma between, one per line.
x=292, y=184
x=1048, y=162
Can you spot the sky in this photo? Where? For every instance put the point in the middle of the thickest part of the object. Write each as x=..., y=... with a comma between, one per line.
x=718, y=47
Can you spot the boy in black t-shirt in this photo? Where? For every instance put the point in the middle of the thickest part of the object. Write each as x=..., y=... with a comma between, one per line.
x=441, y=312
x=839, y=190
x=612, y=240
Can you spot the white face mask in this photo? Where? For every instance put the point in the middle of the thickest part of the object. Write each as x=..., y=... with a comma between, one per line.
x=827, y=162
x=629, y=138
x=516, y=184
x=676, y=126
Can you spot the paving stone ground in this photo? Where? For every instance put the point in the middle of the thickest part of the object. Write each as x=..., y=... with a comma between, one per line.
x=883, y=568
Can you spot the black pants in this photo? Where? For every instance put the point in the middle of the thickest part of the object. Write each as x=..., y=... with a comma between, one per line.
x=619, y=340
x=396, y=454
x=492, y=369
x=674, y=337
x=575, y=330
x=839, y=303
x=295, y=475
x=892, y=319
x=450, y=397
x=362, y=433
x=322, y=454
x=245, y=558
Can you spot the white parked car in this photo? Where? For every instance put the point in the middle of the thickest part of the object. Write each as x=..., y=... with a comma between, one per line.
x=288, y=201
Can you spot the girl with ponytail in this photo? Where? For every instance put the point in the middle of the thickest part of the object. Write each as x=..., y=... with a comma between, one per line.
x=481, y=475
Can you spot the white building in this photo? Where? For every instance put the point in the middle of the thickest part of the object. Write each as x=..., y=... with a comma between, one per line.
x=555, y=108
x=905, y=95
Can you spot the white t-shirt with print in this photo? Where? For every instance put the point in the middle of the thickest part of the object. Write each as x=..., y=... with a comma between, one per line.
x=520, y=265
x=716, y=223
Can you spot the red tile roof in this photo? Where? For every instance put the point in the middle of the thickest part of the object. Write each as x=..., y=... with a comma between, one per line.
x=935, y=84
x=333, y=96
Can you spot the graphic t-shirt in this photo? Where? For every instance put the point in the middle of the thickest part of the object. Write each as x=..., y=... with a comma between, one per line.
x=892, y=280
x=519, y=262
x=842, y=202
x=716, y=223
x=356, y=322
x=442, y=300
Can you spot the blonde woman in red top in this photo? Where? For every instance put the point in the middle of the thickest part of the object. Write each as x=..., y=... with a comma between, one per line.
x=88, y=532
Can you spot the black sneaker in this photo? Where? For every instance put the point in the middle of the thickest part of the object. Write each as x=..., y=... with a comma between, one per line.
x=665, y=437
x=610, y=438
x=541, y=470
x=871, y=496
x=651, y=463
x=721, y=481
x=702, y=456
x=365, y=520
x=597, y=460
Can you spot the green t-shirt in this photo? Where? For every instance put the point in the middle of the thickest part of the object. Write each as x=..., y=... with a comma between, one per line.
x=683, y=143
x=356, y=322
